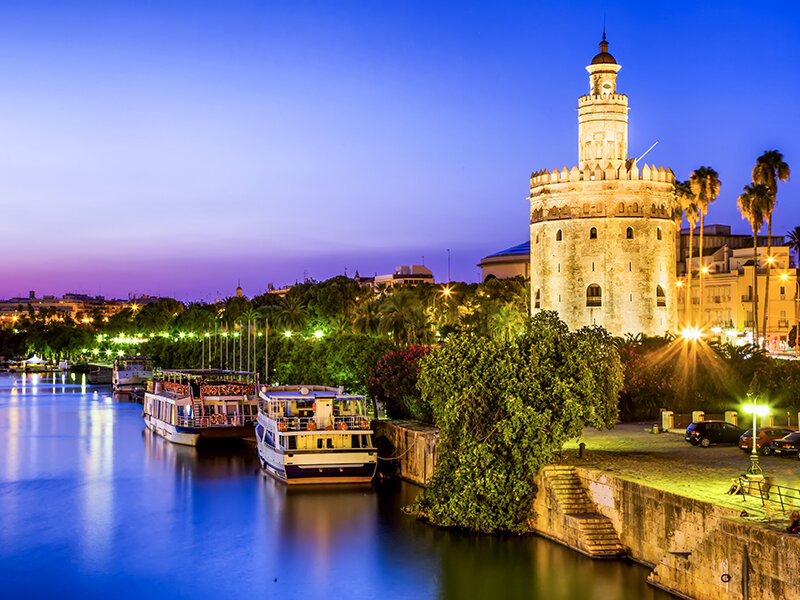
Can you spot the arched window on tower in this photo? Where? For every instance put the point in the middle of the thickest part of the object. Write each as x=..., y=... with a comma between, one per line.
x=661, y=297
x=629, y=233
x=594, y=295
x=658, y=233
x=536, y=299
x=593, y=233
x=558, y=235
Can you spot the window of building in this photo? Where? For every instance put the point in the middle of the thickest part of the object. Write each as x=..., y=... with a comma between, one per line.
x=622, y=207
x=593, y=233
x=536, y=299
x=537, y=238
x=594, y=295
x=658, y=233
x=629, y=233
x=661, y=297
x=558, y=235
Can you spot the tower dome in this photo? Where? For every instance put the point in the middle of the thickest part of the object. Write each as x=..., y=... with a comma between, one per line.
x=603, y=58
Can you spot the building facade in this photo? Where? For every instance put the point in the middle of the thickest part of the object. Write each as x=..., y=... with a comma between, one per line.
x=724, y=306
x=511, y=262
x=602, y=234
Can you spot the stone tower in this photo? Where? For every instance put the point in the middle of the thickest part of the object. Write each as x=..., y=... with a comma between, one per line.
x=602, y=232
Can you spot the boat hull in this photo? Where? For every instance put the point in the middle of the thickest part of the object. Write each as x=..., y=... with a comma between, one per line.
x=191, y=436
x=296, y=467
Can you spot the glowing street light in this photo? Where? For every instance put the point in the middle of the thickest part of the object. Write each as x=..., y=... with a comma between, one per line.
x=287, y=333
x=318, y=334
x=756, y=410
x=691, y=334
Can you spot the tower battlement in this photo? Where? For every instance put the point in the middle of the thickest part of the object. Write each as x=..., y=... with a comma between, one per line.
x=597, y=173
x=600, y=97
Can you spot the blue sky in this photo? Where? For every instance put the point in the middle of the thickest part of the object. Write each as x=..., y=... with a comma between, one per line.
x=177, y=147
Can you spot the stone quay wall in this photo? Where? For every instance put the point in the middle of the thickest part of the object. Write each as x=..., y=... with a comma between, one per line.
x=695, y=549
x=406, y=449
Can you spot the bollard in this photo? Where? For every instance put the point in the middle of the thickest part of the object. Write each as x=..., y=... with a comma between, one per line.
x=655, y=428
x=581, y=449
x=732, y=417
x=667, y=419
x=698, y=415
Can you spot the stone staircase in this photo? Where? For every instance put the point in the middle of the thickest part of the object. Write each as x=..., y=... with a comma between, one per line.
x=596, y=534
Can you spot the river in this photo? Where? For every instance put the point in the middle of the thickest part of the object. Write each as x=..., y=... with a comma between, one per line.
x=94, y=506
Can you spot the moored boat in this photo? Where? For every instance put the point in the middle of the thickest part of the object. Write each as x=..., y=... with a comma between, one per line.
x=185, y=406
x=314, y=434
x=131, y=372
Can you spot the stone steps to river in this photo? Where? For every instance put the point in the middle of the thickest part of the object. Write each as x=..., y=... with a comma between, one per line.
x=597, y=536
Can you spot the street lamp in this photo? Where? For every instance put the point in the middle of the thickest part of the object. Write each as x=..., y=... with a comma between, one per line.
x=756, y=410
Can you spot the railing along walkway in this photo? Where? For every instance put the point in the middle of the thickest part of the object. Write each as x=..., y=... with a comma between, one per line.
x=771, y=495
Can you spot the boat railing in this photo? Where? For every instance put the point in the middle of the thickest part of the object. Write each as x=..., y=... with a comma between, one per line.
x=342, y=423
x=215, y=420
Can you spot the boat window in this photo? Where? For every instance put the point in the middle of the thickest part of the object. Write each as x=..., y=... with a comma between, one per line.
x=260, y=431
x=292, y=442
x=365, y=441
x=329, y=442
x=282, y=441
x=319, y=442
x=355, y=442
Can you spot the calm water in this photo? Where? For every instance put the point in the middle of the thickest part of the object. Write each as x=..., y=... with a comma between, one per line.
x=93, y=506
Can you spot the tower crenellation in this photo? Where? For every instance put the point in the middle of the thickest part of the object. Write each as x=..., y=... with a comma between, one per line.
x=602, y=233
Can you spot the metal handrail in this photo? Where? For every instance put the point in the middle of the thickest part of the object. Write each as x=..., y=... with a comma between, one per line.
x=339, y=423
x=213, y=420
x=766, y=491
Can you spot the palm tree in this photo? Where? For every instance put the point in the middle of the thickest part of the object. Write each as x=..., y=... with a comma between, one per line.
x=769, y=169
x=368, y=319
x=401, y=315
x=686, y=200
x=752, y=204
x=506, y=321
x=705, y=185
x=794, y=241
x=291, y=315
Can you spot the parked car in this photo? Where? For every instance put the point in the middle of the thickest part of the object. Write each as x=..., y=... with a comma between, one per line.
x=787, y=445
x=765, y=437
x=705, y=433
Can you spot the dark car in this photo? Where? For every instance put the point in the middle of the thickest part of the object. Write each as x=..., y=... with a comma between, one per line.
x=787, y=445
x=766, y=435
x=705, y=433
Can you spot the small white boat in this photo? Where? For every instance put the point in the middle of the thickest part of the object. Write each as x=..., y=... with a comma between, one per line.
x=314, y=434
x=131, y=372
x=185, y=406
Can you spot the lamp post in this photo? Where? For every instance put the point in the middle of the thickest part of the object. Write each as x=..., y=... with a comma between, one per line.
x=756, y=410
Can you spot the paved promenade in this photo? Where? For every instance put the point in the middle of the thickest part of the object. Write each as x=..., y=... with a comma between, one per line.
x=665, y=461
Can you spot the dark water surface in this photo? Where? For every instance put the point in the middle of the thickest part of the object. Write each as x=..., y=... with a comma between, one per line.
x=93, y=506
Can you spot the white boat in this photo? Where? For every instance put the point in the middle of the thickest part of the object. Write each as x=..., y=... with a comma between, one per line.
x=185, y=406
x=131, y=372
x=314, y=434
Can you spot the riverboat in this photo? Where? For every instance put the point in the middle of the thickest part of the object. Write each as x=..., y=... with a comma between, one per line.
x=185, y=406
x=99, y=375
x=131, y=372
x=314, y=434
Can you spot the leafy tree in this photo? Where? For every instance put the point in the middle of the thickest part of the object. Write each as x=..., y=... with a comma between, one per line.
x=503, y=408
x=769, y=169
x=393, y=381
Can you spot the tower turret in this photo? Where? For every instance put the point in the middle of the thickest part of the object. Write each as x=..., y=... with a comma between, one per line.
x=602, y=115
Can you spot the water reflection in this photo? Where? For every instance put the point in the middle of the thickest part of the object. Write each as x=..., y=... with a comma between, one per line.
x=107, y=509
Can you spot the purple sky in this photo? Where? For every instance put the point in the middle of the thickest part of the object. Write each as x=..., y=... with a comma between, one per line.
x=174, y=148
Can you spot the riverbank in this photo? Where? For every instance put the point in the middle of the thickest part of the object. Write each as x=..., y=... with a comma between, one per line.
x=697, y=547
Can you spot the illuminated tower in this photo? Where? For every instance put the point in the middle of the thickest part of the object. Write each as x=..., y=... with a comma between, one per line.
x=602, y=233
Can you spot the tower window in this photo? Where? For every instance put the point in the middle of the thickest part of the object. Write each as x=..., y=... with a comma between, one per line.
x=622, y=207
x=661, y=297
x=629, y=233
x=536, y=299
x=537, y=238
x=593, y=233
x=558, y=235
x=594, y=295
x=658, y=233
